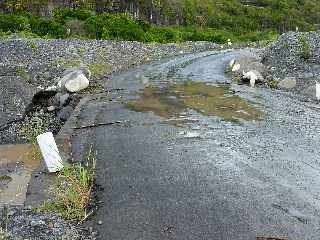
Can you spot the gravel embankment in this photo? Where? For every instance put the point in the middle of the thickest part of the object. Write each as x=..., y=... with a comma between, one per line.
x=30, y=65
x=294, y=54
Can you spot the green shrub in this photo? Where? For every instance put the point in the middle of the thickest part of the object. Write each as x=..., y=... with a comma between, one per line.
x=47, y=27
x=163, y=35
x=14, y=23
x=256, y=36
x=29, y=25
x=76, y=27
x=65, y=14
x=209, y=35
x=94, y=25
x=115, y=26
x=305, y=50
x=144, y=25
x=123, y=32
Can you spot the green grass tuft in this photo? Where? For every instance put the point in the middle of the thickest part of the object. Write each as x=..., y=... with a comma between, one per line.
x=305, y=51
x=5, y=178
x=72, y=190
x=22, y=72
x=99, y=69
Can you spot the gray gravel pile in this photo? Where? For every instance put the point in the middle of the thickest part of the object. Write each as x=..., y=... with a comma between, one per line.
x=40, y=62
x=294, y=54
x=23, y=224
x=30, y=65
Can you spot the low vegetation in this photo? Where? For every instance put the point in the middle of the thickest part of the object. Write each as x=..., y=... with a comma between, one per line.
x=22, y=73
x=120, y=26
x=72, y=190
x=305, y=50
x=160, y=20
x=5, y=178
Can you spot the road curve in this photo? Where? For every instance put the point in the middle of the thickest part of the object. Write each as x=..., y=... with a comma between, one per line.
x=185, y=162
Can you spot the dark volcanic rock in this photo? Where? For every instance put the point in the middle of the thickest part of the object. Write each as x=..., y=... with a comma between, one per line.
x=15, y=96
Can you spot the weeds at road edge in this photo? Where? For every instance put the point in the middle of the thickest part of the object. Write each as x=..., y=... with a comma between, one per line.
x=72, y=190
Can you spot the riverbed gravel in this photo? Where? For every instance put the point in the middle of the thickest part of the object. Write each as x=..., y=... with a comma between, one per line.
x=294, y=54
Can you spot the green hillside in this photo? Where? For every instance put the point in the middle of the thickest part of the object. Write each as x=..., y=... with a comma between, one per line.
x=160, y=20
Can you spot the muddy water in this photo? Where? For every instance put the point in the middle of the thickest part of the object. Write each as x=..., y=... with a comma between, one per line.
x=16, y=165
x=175, y=100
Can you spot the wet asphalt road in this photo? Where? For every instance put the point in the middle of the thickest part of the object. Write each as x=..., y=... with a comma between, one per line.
x=193, y=175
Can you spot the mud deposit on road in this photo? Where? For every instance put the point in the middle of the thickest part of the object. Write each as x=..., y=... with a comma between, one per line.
x=174, y=101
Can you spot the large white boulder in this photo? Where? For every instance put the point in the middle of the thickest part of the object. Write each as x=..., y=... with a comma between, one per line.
x=83, y=70
x=74, y=81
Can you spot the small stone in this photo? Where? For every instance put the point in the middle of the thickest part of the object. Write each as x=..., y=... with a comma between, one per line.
x=50, y=225
x=100, y=222
x=51, y=88
x=65, y=113
x=34, y=223
x=51, y=108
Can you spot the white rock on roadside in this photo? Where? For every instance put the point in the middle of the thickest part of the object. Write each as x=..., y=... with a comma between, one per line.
x=236, y=67
x=51, y=108
x=82, y=70
x=52, y=88
x=253, y=76
x=232, y=62
x=75, y=81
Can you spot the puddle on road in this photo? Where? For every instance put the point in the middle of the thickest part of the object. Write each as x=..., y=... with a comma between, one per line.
x=16, y=165
x=174, y=101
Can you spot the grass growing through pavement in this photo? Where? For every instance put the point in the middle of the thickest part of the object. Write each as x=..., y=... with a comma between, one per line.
x=72, y=190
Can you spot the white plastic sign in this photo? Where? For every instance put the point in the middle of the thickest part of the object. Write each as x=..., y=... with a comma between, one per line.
x=50, y=152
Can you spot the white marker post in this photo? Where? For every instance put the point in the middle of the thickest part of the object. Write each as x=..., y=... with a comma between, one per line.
x=50, y=152
x=318, y=91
